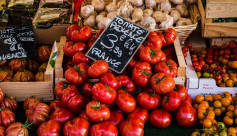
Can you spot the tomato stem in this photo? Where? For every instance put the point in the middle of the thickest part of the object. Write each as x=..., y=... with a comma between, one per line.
x=7, y=96
x=153, y=53
x=151, y=94
x=77, y=69
x=145, y=72
x=32, y=97
x=27, y=125
x=106, y=86
x=160, y=79
x=65, y=85
x=97, y=106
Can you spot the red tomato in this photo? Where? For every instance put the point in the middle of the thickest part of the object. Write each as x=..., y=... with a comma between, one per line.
x=198, y=68
x=226, y=56
x=83, y=115
x=98, y=68
x=201, y=63
x=5, y=73
x=49, y=128
x=171, y=101
x=71, y=49
x=169, y=67
x=103, y=93
x=150, y=55
x=184, y=49
x=116, y=118
x=80, y=57
x=195, y=63
x=2, y=94
x=54, y=105
x=127, y=84
x=91, y=41
x=153, y=41
x=149, y=100
x=160, y=118
x=132, y=63
x=232, y=45
x=132, y=127
x=77, y=75
x=7, y=117
x=188, y=44
x=68, y=66
x=140, y=113
x=185, y=54
x=222, y=52
x=73, y=100
x=2, y=131
x=142, y=73
x=162, y=83
x=186, y=115
x=43, y=53
x=232, y=56
x=182, y=91
x=104, y=128
x=17, y=129
x=110, y=106
x=217, y=77
x=16, y=64
x=227, y=51
x=189, y=99
x=9, y=102
x=125, y=101
x=214, y=47
x=109, y=80
x=77, y=126
x=70, y=29
x=81, y=35
x=169, y=37
x=87, y=89
x=97, y=112
x=223, y=46
x=63, y=87
x=62, y=115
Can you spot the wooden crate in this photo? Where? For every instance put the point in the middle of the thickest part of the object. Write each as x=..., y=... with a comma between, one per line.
x=180, y=79
x=220, y=41
x=21, y=90
x=218, y=9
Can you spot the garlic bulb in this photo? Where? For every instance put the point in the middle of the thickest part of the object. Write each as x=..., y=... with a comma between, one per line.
x=101, y=16
x=111, y=15
x=159, y=16
x=141, y=7
x=126, y=10
x=86, y=11
x=104, y=23
x=191, y=1
x=148, y=12
x=98, y=5
x=182, y=10
x=184, y=22
x=137, y=15
x=112, y=7
x=148, y=22
x=165, y=6
x=90, y=21
x=175, y=14
x=177, y=1
x=136, y=2
x=150, y=4
x=167, y=23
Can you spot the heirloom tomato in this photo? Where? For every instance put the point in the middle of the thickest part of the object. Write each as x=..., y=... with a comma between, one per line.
x=77, y=75
x=98, y=68
x=3, y=63
x=116, y=118
x=2, y=94
x=2, y=131
x=63, y=87
x=9, y=102
x=70, y=29
x=7, y=117
x=125, y=101
x=16, y=64
x=132, y=127
x=182, y=90
x=160, y=118
x=5, y=73
x=109, y=80
x=125, y=83
x=81, y=35
x=62, y=115
x=24, y=76
x=54, y=105
x=91, y=41
x=42, y=66
x=140, y=113
x=142, y=73
x=32, y=65
x=49, y=128
x=30, y=101
x=169, y=67
x=76, y=127
x=152, y=55
x=153, y=40
x=17, y=129
x=132, y=63
x=97, y=112
x=87, y=89
x=171, y=101
x=169, y=36
x=68, y=66
x=40, y=76
x=37, y=114
x=70, y=48
x=104, y=128
x=43, y=53
x=162, y=83
x=80, y=57
x=104, y=93
x=149, y=100
x=73, y=100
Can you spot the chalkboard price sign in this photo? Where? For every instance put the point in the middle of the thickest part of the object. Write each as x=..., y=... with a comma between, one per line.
x=17, y=42
x=118, y=43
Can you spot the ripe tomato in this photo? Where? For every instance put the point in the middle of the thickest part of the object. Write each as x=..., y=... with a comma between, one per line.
x=195, y=63
x=76, y=126
x=189, y=99
x=109, y=80
x=132, y=127
x=169, y=37
x=70, y=49
x=103, y=93
x=162, y=83
x=199, y=98
x=125, y=83
x=17, y=129
x=188, y=44
x=185, y=54
x=132, y=63
x=186, y=115
x=151, y=55
x=149, y=100
x=16, y=64
x=140, y=113
x=73, y=100
x=98, y=68
x=182, y=91
x=169, y=67
x=7, y=117
x=207, y=123
x=30, y=101
x=9, y=102
x=49, y=128
x=125, y=101
x=209, y=61
x=116, y=118
x=104, y=128
x=54, y=105
x=77, y=75
x=184, y=49
x=43, y=53
x=87, y=88
x=80, y=57
x=198, y=68
x=171, y=101
x=153, y=40
x=228, y=120
x=70, y=29
x=142, y=73
x=62, y=115
x=160, y=118
x=63, y=87
x=97, y=112
x=81, y=35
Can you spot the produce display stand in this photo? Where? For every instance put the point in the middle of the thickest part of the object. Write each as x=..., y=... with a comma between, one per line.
x=22, y=90
x=221, y=41
x=218, y=9
x=180, y=79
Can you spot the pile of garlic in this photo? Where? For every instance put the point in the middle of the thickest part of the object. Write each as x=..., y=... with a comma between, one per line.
x=151, y=14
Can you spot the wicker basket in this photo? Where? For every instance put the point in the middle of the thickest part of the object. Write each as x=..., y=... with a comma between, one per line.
x=182, y=31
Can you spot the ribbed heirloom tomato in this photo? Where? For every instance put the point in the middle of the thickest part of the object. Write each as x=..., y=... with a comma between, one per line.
x=63, y=87
x=153, y=40
x=132, y=127
x=30, y=102
x=182, y=90
x=171, y=101
x=104, y=128
x=169, y=37
x=70, y=29
x=70, y=48
x=97, y=112
x=7, y=117
x=98, y=68
x=142, y=73
x=81, y=35
x=116, y=118
x=17, y=129
x=43, y=53
x=169, y=67
x=152, y=55
x=16, y=64
x=149, y=100
x=162, y=83
x=49, y=128
x=9, y=102
x=5, y=73
x=125, y=83
x=62, y=115
x=77, y=126
x=160, y=118
x=87, y=89
x=109, y=80
x=54, y=105
x=80, y=57
x=125, y=101
x=140, y=113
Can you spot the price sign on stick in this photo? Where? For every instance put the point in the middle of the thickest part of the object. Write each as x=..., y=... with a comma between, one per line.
x=17, y=42
x=118, y=43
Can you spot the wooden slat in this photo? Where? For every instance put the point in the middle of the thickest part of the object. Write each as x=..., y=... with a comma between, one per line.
x=202, y=13
x=49, y=70
x=221, y=9
x=59, y=60
x=220, y=41
x=220, y=29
